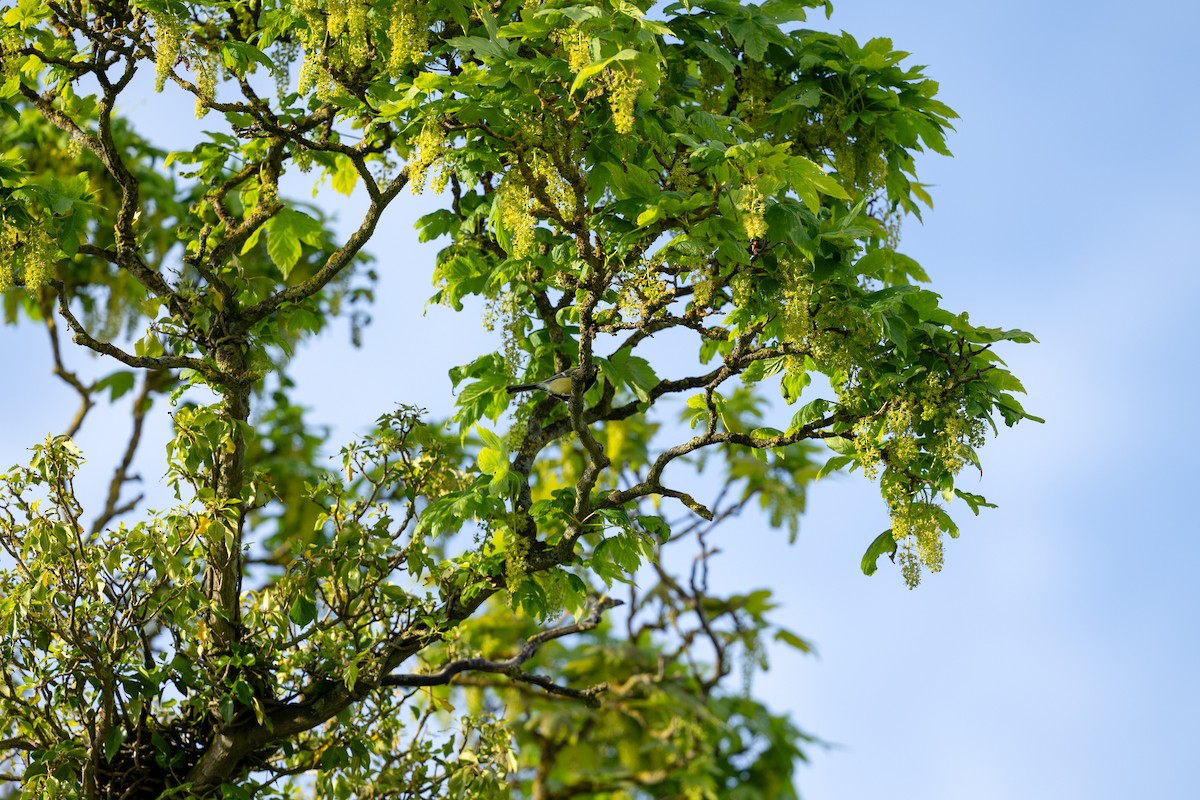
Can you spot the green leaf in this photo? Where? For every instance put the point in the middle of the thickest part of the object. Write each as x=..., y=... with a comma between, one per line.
x=656, y=527
x=832, y=465
x=285, y=231
x=885, y=543
x=809, y=412
x=650, y=215
x=946, y=523
x=794, y=382
x=635, y=372
x=344, y=176
x=283, y=247
x=303, y=610
x=793, y=641
x=225, y=708
x=488, y=48
x=595, y=68
x=239, y=55
x=491, y=439
x=118, y=383
x=113, y=742
x=491, y=462
x=841, y=445
x=148, y=346
x=809, y=181
x=975, y=501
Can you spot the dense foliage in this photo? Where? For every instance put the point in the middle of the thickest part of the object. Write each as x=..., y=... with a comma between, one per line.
x=438, y=617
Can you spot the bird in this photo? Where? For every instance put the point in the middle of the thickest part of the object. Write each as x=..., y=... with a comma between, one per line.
x=559, y=385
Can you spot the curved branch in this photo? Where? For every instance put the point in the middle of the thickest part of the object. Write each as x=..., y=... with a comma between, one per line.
x=511, y=666
x=67, y=376
x=82, y=337
x=337, y=261
x=112, y=504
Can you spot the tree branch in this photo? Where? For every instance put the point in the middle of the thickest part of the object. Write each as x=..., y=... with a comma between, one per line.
x=511, y=666
x=141, y=404
x=82, y=337
x=337, y=261
x=68, y=377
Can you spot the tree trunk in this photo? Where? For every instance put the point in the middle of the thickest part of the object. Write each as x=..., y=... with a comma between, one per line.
x=223, y=573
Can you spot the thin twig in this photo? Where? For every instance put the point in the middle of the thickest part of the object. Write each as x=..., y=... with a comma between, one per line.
x=141, y=404
x=67, y=376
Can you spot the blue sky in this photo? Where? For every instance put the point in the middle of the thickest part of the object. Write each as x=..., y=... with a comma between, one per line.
x=1056, y=655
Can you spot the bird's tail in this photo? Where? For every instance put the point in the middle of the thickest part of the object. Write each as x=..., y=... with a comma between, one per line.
x=524, y=387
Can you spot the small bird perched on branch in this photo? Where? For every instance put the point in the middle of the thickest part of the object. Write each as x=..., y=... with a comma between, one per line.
x=559, y=385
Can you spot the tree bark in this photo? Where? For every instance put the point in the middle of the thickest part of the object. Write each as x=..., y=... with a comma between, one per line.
x=223, y=573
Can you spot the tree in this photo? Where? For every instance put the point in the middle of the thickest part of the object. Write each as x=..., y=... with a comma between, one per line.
x=438, y=618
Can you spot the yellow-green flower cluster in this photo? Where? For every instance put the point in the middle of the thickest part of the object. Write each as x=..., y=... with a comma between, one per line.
x=8, y=241
x=10, y=43
x=206, y=66
x=359, y=47
x=957, y=433
x=906, y=427
x=623, y=90
x=828, y=332
x=931, y=391
x=349, y=17
x=168, y=39
x=923, y=415
x=337, y=35
x=918, y=534
x=283, y=55
x=504, y=312
x=31, y=250
x=313, y=73
x=409, y=35
x=742, y=287
x=39, y=257
x=681, y=177
x=795, y=296
x=577, y=46
x=641, y=290
x=313, y=36
x=753, y=207
x=755, y=89
x=516, y=561
x=866, y=448
x=556, y=188
x=902, y=447
x=954, y=431
x=704, y=292
x=837, y=330
x=314, y=76
x=430, y=146
x=892, y=441
x=515, y=214
x=859, y=159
